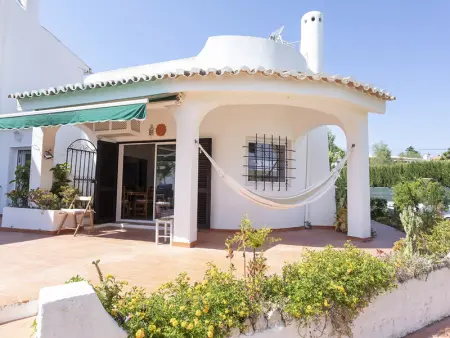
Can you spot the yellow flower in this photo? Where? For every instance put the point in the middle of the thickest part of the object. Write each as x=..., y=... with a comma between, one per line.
x=206, y=309
x=152, y=327
x=190, y=326
x=140, y=333
x=210, y=334
x=205, y=282
x=198, y=313
x=109, y=276
x=224, y=302
x=242, y=313
x=183, y=324
x=175, y=323
x=230, y=322
x=325, y=303
x=211, y=328
x=182, y=308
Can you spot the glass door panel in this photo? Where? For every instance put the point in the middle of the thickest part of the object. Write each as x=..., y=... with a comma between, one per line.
x=165, y=180
x=138, y=182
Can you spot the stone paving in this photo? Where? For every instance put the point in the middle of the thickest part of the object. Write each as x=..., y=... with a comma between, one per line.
x=32, y=261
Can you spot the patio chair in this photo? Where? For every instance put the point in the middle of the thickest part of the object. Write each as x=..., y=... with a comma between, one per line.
x=77, y=212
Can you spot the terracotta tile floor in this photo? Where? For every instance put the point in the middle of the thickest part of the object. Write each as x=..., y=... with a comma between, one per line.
x=30, y=261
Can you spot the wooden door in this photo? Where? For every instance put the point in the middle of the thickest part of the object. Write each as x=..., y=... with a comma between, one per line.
x=106, y=182
x=204, y=186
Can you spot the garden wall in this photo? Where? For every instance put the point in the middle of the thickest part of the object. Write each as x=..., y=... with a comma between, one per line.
x=415, y=304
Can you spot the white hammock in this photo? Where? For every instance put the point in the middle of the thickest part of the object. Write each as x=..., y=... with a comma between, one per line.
x=306, y=196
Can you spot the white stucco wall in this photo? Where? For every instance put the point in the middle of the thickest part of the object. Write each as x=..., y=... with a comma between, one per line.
x=30, y=58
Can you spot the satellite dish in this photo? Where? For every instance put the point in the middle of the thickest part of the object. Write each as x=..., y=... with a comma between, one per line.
x=276, y=34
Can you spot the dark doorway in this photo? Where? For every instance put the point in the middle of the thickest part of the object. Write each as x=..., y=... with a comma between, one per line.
x=106, y=182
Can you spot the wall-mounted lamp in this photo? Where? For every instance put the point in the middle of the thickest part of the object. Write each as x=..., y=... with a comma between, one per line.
x=48, y=155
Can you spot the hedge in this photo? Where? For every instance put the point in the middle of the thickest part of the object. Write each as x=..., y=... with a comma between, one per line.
x=390, y=174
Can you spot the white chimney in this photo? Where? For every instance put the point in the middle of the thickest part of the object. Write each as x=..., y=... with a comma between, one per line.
x=311, y=41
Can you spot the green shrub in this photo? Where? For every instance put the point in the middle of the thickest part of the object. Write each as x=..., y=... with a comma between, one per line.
x=378, y=208
x=341, y=190
x=412, y=266
x=44, y=199
x=341, y=222
x=421, y=191
x=67, y=195
x=19, y=196
x=61, y=180
x=437, y=241
x=392, y=174
x=209, y=308
x=334, y=283
x=413, y=225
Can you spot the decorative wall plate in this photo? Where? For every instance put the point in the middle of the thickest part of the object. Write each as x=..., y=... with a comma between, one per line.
x=161, y=129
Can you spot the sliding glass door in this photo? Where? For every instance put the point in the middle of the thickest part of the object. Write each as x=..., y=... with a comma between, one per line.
x=165, y=180
x=146, y=181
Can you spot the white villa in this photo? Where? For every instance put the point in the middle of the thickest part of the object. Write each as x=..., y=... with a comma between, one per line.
x=30, y=57
x=257, y=105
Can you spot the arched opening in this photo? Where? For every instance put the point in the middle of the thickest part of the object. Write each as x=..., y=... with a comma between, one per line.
x=237, y=130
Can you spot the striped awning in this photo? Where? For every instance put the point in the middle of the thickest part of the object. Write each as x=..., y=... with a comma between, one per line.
x=121, y=111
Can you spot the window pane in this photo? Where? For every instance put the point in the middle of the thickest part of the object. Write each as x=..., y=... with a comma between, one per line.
x=266, y=162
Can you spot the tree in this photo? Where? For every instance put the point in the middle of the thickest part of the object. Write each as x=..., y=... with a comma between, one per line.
x=446, y=155
x=410, y=152
x=334, y=152
x=381, y=153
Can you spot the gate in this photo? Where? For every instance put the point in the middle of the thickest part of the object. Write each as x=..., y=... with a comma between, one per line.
x=82, y=158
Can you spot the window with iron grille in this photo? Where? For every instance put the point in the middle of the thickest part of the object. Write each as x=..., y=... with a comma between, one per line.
x=23, y=156
x=268, y=162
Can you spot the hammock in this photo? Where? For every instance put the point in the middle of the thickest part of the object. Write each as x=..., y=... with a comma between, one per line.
x=306, y=196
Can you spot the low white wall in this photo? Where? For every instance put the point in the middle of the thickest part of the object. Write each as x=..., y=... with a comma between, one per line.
x=412, y=306
x=12, y=312
x=34, y=219
x=73, y=311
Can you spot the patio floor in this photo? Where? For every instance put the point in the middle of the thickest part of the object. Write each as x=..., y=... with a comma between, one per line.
x=32, y=261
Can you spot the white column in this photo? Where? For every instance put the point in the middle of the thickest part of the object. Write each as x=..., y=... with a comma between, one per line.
x=358, y=189
x=43, y=139
x=188, y=118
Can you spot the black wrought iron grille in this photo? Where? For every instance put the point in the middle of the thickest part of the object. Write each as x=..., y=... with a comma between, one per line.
x=268, y=162
x=82, y=157
x=23, y=156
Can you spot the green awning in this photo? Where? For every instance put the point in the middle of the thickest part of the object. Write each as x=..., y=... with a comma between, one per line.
x=128, y=112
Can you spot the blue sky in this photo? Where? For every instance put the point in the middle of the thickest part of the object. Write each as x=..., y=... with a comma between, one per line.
x=402, y=46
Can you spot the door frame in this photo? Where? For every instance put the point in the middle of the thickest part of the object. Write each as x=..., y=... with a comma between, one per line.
x=120, y=180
